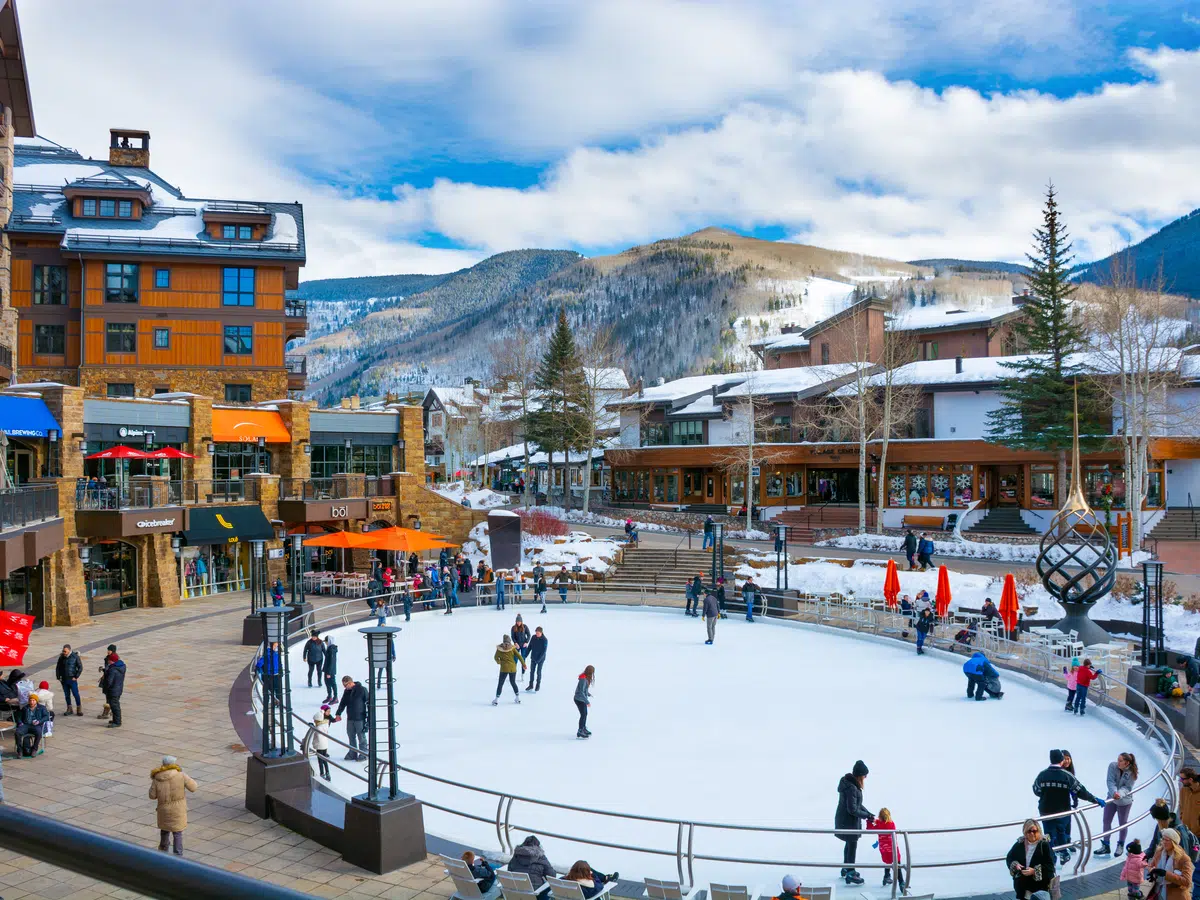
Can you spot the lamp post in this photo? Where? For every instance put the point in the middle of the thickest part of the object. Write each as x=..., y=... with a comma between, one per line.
x=297, y=568
x=1152, y=614
x=257, y=595
x=276, y=681
x=781, y=554
x=380, y=650
x=262, y=445
x=718, y=553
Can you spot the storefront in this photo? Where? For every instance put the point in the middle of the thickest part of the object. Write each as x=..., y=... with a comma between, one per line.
x=355, y=441
x=26, y=423
x=24, y=592
x=914, y=485
x=110, y=576
x=115, y=473
x=216, y=553
x=242, y=442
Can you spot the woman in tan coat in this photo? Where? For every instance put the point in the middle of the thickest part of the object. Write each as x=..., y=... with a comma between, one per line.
x=1172, y=859
x=169, y=786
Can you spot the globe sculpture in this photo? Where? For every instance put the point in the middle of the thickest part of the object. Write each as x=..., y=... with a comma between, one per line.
x=1077, y=561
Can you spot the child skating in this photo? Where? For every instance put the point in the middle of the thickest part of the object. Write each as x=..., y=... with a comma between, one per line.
x=1083, y=680
x=508, y=657
x=1134, y=871
x=887, y=847
x=583, y=686
x=1072, y=676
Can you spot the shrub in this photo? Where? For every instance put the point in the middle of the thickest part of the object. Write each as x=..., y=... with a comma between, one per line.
x=541, y=524
x=1192, y=603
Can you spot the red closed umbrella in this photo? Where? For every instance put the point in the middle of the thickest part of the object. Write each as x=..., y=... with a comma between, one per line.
x=891, y=584
x=1009, y=607
x=943, y=592
x=118, y=452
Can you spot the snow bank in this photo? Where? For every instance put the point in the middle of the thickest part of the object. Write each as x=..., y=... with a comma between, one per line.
x=579, y=517
x=595, y=555
x=481, y=499
x=886, y=543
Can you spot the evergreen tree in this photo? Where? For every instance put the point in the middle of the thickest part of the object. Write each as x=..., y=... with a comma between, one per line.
x=562, y=390
x=1035, y=411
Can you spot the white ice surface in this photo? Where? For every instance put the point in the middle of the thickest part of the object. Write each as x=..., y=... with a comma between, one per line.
x=756, y=729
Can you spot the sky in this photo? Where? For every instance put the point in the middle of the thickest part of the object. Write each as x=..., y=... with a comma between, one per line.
x=425, y=135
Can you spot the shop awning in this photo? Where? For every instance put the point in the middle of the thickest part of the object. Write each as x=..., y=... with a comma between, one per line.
x=26, y=417
x=248, y=425
x=227, y=524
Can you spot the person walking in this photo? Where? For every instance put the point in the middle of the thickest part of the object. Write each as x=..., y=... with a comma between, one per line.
x=329, y=669
x=1122, y=776
x=1055, y=787
x=320, y=740
x=508, y=657
x=709, y=537
x=169, y=786
x=910, y=548
x=314, y=655
x=583, y=699
x=537, y=656
x=67, y=669
x=712, y=610
x=563, y=581
x=539, y=590
x=925, y=624
x=113, y=685
x=354, y=704
x=925, y=552
x=451, y=586
x=1083, y=680
x=1030, y=862
x=850, y=814
x=690, y=600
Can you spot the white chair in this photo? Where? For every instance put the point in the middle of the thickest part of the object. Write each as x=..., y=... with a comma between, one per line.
x=815, y=893
x=517, y=886
x=561, y=889
x=466, y=885
x=666, y=890
x=732, y=892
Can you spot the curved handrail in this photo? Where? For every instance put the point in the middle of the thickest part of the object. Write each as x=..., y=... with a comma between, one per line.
x=1156, y=725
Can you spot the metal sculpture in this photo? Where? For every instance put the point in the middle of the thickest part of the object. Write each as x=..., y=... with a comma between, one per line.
x=1077, y=560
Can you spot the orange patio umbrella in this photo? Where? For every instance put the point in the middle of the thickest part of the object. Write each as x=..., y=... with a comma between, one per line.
x=1009, y=607
x=943, y=592
x=403, y=540
x=891, y=584
x=339, y=539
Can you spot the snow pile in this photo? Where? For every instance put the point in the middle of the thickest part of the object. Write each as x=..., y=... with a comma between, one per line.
x=886, y=543
x=752, y=534
x=480, y=499
x=579, y=517
x=595, y=555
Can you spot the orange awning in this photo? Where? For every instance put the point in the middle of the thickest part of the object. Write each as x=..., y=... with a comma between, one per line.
x=248, y=425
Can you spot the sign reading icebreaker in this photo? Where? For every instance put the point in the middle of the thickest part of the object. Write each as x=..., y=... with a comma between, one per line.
x=155, y=523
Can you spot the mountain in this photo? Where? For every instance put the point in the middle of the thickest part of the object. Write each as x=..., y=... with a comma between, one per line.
x=1175, y=247
x=369, y=287
x=972, y=265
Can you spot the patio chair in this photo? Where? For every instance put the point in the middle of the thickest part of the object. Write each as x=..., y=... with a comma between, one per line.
x=517, y=886
x=466, y=885
x=561, y=889
x=732, y=892
x=666, y=890
x=815, y=893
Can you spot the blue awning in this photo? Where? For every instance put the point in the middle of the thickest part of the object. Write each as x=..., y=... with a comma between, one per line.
x=26, y=417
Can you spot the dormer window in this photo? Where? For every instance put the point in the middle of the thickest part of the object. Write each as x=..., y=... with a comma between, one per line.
x=89, y=207
x=106, y=208
x=125, y=209
x=237, y=232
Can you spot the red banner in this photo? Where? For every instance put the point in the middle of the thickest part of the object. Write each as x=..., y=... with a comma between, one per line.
x=14, y=637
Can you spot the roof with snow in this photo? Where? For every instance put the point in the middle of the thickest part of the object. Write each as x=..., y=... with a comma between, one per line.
x=779, y=342
x=774, y=382
x=936, y=318
x=171, y=225
x=681, y=390
x=610, y=378
x=454, y=399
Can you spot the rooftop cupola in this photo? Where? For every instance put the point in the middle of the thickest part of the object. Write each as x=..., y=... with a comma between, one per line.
x=127, y=147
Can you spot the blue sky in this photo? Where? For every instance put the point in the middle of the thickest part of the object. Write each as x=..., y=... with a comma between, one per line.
x=423, y=136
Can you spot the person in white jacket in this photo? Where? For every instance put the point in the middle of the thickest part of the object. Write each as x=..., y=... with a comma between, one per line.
x=46, y=698
x=320, y=740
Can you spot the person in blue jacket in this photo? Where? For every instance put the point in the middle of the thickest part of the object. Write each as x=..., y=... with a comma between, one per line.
x=982, y=678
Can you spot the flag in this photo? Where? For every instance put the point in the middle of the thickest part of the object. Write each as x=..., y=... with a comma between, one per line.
x=14, y=637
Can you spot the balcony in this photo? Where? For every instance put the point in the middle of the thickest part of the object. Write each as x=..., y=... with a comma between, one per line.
x=6, y=364
x=30, y=526
x=350, y=496
x=297, y=371
x=296, y=312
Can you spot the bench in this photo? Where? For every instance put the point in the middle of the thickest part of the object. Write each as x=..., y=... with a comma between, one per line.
x=936, y=522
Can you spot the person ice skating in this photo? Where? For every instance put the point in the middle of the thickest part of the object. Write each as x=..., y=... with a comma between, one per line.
x=540, y=590
x=697, y=595
x=562, y=581
x=169, y=786
x=590, y=882
x=1072, y=678
x=709, y=537
x=67, y=669
x=354, y=704
x=517, y=584
x=1031, y=862
x=1133, y=872
x=501, y=578
x=508, y=657
x=1084, y=678
x=520, y=635
x=925, y=624
x=712, y=610
x=530, y=858
x=910, y=548
x=320, y=739
x=113, y=685
x=583, y=698
x=481, y=870
x=887, y=849
x=689, y=597
x=721, y=597
x=850, y=814
x=749, y=594
x=1054, y=787
x=1173, y=866
x=537, y=656
x=1122, y=776
x=329, y=669
x=982, y=678
x=789, y=889
x=314, y=655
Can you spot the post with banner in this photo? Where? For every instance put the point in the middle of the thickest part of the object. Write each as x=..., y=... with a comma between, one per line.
x=15, y=629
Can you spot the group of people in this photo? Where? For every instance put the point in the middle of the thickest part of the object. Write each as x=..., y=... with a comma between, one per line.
x=919, y=547
x=520, y=647
x=530, y=859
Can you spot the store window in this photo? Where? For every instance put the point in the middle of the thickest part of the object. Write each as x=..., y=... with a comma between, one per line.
x=1041, y=487
x=775, y=484
x=334, y=459
x=1154, y=485
x=233, y=461
x=672, y=488
x=931, y=486
x=1104, y=486
x=49, y=285
x=110, y=577
x=795, y=484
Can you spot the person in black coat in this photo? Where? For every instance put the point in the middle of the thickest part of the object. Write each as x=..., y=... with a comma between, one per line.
x=537, y=656
x=530, y=858
x=113, y=685
x=721, y=597
x=1030, y=861
x=910, y=548
x=850, y=814
x=354, y=704
x=1056, y=789
x=67, y=670
x=925, y=625
x=31, y=725
x=329, y=669
x=314, y=655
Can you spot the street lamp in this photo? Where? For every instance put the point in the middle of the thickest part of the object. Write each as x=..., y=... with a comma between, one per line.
x=276, y=682
x=262, y=445
x=718, y=553
x=780, y=554
x=1152, y=614
x=256, y=548
x=380, y=652
x=297, y=568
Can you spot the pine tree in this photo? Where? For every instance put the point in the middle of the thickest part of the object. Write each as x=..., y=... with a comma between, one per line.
x=562, y=418
x=1035, y=411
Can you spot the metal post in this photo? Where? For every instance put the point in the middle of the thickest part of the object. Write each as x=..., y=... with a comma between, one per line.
x=297, y=568
x=274, y=625
x=1153, y=653
x=780, y=532
x=379, y=656
x=718, y=558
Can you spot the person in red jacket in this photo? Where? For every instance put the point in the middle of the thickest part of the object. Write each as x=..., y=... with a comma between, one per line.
x=1083, y=679
x=886, y=844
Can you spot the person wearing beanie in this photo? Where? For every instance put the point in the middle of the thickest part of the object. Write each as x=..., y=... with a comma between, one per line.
x=329, y=669
x=111, y=654
x=320, y=739
x=169, y=786
x=850, y=815
x=1054, y=788
x=791, y=889
x=112, y=682
x=46, y=699
x=67, y=669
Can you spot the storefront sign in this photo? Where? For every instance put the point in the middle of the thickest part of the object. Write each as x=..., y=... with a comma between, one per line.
x=144, y=524
x=129, y=522
x=339, y=512
x=275, y=553
x=381, y=506
x=322, y=510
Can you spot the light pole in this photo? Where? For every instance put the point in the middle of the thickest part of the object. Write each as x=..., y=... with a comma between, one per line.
x=297, y=569
x=276, y=681
x=380, y=650
x=780, y=554
x=1152, y=614
x=718, y=553
x=256, y=587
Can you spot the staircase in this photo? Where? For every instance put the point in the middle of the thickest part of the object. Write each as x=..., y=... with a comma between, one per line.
x=1002, y=520
x=665, y=566
x=804, y=522
x=1179, y=523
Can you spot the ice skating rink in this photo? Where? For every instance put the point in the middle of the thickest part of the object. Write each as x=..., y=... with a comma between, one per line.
x=756, y=729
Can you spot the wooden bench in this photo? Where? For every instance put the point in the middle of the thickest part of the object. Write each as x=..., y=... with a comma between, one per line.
x=935, y=522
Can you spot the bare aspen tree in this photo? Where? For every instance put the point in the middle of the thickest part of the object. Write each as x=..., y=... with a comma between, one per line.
x=898, y=401
x=750, y=414
x=515, y=361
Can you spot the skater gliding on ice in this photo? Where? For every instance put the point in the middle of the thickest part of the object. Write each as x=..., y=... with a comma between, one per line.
x=850, y=814
x=537, y=656
x=925, y=623
x=508, y=657
x=712, y=609
x=583, y=699
x=1054, y=788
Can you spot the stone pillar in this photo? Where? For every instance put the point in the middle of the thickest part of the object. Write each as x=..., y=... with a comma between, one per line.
x=159, y=572
x=412, y=432
x=264, y=488
x=291, y=460
x=200, y=435
x=64, y=589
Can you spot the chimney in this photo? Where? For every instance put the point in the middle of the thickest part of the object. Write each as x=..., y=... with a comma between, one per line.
x=345, y=404
x=714, y=389
x=128, y=147
x=354, y=401
x=958, y=365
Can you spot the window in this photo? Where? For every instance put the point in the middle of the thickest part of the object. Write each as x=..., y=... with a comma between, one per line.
x=108, y=208
x=232, y=461
x=238, y=287
x=229, y=232
x=931, y=349
x=435, y=420
x=824, y=354
x=237, y=393
x=162, y=278
x=125, y=209
x=655, y=434
x=121, y=283
x=49, y=338
x=49, y=285
x=89, y=207
x=934, y=486
x=245, y=232
x=162, y=338
x=239, y=339
x=120, y=390
x=160, y=389
x=334, y=459
x=691, y=432
x=120, y=337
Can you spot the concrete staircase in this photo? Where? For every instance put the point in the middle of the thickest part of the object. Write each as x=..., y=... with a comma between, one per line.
x=804, y=522
x=1177, y=524
x=666, y=566
x=1001, y=520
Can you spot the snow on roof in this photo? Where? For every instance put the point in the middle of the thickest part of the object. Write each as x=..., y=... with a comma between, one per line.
x=456, y=396
x=787, y=381
x=794, y=341
x=513, y=451
x=608, y=378
x=501, y=512
x=1189, y=367
x=285, y=231
x=701, y=406
x=54, y=173
x=933, y=317
x=680, y=389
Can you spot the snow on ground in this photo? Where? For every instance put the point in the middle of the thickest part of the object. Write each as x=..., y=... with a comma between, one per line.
x=1028, y=553
x=579, y=517
x=772, y=715
x=752, y=534
x=595, y=555
x=480, y=499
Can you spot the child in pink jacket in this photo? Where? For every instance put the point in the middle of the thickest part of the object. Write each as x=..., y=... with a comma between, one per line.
x=1072, y=683
x=1134, y=871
